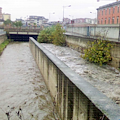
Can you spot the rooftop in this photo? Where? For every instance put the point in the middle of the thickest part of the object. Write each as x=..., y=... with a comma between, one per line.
x=6, y=14
x=109, y=5
x=36, y=17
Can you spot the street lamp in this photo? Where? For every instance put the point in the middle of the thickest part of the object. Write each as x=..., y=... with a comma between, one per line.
x=63, y=11
x=49, y=15
x=72, y=21
x=95, y=16
x=94, y=23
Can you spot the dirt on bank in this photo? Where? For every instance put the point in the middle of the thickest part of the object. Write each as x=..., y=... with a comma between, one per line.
x=105, y=78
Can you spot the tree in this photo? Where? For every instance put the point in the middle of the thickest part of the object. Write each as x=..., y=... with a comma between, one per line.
x=7, y=22
x=58, y=35
x=45, y=36
x=53, y=35
x=34, y=25
x=18, y=23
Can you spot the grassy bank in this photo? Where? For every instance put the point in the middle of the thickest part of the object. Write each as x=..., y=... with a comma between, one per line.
x=3, y=45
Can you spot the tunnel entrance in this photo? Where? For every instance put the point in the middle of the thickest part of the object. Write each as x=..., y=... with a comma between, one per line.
x=20, y=37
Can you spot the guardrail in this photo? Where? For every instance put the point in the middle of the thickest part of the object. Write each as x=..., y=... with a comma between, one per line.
x=22, y=30
x=74, y=98
x=108, y=32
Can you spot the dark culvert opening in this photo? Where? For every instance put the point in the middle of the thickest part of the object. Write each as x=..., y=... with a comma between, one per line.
x=24, y=38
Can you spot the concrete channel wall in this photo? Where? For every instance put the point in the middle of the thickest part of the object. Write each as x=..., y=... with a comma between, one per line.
x=3, y=37
x=74, y=98
x=109, y=31
x=80, y=43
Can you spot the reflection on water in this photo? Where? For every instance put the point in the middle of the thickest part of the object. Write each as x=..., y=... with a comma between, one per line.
x=23, y=94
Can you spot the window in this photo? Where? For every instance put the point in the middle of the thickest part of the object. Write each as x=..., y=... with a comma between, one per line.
x=105, y=20
x=113, y=20
x=98, y=21
x=118, y=9
x=109, y=21
x=105, y=11
x=101, y=21
x=117, y=19
x=98, y=13
x=113, y=9
x=109, y=11
x=102, y=12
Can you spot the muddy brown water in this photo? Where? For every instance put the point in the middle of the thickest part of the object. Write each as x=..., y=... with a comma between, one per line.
x=23, y=93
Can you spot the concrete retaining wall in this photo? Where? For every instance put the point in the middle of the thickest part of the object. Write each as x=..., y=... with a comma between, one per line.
x=74, y=98
x=3, y=37
x=80, y=43
x=110, y=32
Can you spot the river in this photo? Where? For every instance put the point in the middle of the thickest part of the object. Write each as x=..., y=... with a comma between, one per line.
x=105, y=78
x=23, y=93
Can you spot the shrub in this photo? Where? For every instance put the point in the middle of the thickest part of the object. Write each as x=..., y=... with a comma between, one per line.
x=58, y=36
x=45, y=36
x=53, y=35
x=98, y=52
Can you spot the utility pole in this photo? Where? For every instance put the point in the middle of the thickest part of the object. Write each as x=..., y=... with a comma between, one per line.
x=63, y=12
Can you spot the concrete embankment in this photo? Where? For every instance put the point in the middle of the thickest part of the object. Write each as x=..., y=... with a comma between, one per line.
x=75, y=99
x=79, y=43
x=3, y=37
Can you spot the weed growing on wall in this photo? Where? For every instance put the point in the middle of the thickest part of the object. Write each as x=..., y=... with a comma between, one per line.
x=98, y=52
x=53, y=35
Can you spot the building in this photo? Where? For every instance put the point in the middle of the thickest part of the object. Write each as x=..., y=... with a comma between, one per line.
x=67, y=21
x=24, y=23
x=91, y=21
x=84, y=21
x=6, y=16
x=33, y=21
x=1, y=17
x=109, y=14
x=79, y=20
x=37, y=20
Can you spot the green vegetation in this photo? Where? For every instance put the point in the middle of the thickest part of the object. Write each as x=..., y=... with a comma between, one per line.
x=45, y=36
x=35, y=25
x=53, y=35
x=7, y=22
x=59, y=38
x=98, y=52
x=17, y=23
x=10, y=23
x=3, y=45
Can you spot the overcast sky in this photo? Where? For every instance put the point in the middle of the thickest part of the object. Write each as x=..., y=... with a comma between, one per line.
x=78, y=9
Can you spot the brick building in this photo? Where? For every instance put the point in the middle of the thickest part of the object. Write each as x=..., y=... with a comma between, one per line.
x=109, y=14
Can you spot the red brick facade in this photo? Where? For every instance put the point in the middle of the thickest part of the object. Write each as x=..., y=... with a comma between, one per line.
x=109, y=14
